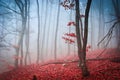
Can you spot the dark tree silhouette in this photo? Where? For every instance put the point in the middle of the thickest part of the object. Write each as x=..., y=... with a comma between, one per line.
x=82, y=49
x=81, y=32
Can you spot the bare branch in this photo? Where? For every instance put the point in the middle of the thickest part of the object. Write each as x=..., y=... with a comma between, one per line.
x=18, y=2
x=4, y=13
x=7, y=7
x=109, y=32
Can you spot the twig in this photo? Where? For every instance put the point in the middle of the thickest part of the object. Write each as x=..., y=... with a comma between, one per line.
x=111, y=21
x=7, y=7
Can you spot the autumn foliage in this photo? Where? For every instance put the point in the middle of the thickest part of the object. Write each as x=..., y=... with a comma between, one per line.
x=71, y=23
x=100, y=69
x=68, y=40
x=68, y=37
x=67, y=4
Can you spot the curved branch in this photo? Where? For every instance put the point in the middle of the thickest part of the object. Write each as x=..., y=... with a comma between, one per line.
x=109, y=32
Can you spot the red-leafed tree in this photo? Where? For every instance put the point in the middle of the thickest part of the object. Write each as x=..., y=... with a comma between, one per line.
x=81, y=32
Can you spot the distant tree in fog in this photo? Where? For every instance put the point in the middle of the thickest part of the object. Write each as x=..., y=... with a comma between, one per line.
x=38, y=38
x=21, y=8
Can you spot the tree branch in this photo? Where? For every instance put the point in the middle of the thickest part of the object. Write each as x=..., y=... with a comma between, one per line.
x=7, y=7
x=109, y=32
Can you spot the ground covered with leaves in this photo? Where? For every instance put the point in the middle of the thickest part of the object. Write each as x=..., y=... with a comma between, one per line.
x=105, y=67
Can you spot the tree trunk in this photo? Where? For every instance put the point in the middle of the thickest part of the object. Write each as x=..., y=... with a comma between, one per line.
x=38, y=40
x=78, y=30
x=82, y=50
x=27, y=55
x=23, y=11
x=56, y=32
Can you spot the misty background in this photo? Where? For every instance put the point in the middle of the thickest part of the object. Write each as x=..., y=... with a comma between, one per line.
x=52, y=25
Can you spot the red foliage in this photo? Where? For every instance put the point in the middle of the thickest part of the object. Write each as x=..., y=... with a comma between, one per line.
x=70, y=41
x=71, y=34
x=67, y=4
x=71, y=23
x=100, y=70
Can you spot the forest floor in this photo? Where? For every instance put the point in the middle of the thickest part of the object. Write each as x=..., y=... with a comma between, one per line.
x=106, y=67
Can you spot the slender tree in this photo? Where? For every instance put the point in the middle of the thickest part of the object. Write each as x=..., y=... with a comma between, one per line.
x=82, y=50
x=38, y=40
x=44, y=32
x=101, y=23
x=81, y=30
x=22, y=5
x=27, y=40
x=84, y=67
x=48, y=29
x=56, y=31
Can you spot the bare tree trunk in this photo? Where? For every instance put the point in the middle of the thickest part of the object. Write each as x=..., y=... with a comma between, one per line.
x=29, y=31
x=38, y=40
x=101, y=24
x=78, y=30
x=21, y=49
x=44, y=33
x=56, y=32
x=82, y=51
x=27, y=55
x=23, y=10
x=84, y=67
x=48, y=30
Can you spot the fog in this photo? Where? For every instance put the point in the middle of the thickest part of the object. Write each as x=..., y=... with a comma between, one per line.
x=52, y=28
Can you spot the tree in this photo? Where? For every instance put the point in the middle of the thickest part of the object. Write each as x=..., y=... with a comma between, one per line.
x=38, y=40
x=5, y=6
x=22, y=5
x=56, y=32
x=81, y=34
x=27, y=40
x=115, y=27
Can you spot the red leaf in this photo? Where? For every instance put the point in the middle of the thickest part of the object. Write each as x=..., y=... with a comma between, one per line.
x=71, y=41
x=68, y=40
x=71, y=23
x=71, y=34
